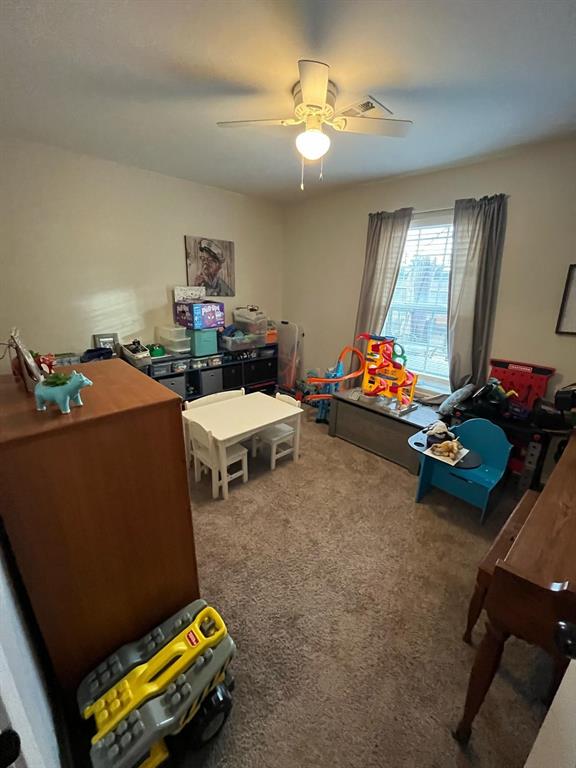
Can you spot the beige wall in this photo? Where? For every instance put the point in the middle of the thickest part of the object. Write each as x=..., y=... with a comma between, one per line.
x=91, y=246
x=325, y=241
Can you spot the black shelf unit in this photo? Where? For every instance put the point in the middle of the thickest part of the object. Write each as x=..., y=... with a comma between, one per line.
x=255, y=374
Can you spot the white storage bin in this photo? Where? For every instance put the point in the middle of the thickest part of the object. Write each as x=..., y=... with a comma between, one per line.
x=250, y=320
x=176, y=347
x=170, y=333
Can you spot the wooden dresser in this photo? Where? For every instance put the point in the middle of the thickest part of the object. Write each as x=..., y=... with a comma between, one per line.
x=97, y=513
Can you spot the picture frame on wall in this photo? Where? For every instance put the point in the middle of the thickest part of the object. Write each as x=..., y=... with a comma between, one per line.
x=567, y=316
x=210, y=264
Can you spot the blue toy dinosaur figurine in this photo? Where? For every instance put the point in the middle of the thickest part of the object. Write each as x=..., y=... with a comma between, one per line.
x=62, y=394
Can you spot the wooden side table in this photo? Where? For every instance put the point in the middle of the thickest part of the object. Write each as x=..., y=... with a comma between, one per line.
x=498, y=551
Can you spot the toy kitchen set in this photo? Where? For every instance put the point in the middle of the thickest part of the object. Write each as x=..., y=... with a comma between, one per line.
x=199, y=355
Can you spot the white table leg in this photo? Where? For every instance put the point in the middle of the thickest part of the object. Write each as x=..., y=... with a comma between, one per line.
x=296, y=451
x=223, y=469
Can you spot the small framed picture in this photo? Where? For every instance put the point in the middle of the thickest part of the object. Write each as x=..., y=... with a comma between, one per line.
x=567, y=315
x=108, y=340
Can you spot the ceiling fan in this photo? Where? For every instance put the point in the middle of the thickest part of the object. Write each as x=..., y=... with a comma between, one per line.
x=315, y=106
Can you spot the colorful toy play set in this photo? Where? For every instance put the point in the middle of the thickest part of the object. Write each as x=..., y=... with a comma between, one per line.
x=175, y=675
x=383, y=371
x=330, y=382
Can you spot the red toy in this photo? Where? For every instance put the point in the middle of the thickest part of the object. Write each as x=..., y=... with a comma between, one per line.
x=528, y=381
x=45, y=362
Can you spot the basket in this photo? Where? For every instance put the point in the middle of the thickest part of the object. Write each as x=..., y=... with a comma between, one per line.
x=235, y=344
x=171, y=332
x=176, y=347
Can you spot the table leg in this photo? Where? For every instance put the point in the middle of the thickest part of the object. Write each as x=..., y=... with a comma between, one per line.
x=296, y=448
x=474, y=610
x=425, y=479
x=485, y=667
x=223, y=469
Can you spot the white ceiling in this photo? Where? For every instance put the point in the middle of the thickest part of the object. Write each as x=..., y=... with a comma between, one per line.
x=143, y=82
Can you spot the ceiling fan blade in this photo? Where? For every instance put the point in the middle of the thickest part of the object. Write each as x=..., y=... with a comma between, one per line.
x=255, y=123
x=313, y=82
x=372, y=125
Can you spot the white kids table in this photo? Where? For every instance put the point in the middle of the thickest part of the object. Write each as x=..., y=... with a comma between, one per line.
x=231, y=421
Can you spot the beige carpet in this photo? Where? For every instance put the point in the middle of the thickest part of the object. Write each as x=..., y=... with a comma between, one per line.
x=347, y=602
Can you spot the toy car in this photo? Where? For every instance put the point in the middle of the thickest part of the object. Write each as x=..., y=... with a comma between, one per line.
x=175, y=675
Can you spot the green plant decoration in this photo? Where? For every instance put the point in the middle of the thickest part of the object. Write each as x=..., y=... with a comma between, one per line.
x=56, y=379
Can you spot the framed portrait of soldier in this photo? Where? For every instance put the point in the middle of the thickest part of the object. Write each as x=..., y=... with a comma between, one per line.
x=210, y=264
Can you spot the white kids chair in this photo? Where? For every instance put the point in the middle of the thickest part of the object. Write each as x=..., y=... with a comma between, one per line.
x=206, y=457
x=280, y=437
x=200, y=402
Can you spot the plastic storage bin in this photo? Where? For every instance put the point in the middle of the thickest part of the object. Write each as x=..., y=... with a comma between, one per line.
x=171, y=332
x=290, y=338
x=205, y=362
x=160, y=369
x=252, y=321
x=249, y=341
x=176, y=347
x=203, y=343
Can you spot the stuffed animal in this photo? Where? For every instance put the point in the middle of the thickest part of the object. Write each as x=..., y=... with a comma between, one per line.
x=449, y=448
x=437, y=432
x=439, y=429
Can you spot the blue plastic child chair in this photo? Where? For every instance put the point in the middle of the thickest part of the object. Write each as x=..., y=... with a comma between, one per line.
x=471, y=485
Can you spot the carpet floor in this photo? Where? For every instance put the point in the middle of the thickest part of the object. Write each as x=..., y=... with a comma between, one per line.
x=347, y=602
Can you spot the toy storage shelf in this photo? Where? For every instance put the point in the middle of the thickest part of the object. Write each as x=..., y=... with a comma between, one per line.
x=370, y=426
x=254, y=374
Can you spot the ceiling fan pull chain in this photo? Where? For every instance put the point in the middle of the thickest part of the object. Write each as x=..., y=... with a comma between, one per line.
x=302, y=176
x=321, y=177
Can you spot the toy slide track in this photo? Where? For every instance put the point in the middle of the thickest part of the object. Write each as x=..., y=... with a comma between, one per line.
x=322, y=380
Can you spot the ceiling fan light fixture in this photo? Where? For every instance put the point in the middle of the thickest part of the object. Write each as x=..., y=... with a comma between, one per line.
x=312, y=144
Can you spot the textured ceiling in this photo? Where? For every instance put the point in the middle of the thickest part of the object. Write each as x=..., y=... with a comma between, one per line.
x=143, y=82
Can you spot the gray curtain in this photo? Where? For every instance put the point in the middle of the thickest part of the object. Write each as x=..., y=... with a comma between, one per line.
x=479, y=228
x=384, y=247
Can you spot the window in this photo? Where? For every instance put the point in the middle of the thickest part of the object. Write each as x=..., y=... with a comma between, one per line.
x=418, y=314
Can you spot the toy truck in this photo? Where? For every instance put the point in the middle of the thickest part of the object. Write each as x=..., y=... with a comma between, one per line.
x=175, y=675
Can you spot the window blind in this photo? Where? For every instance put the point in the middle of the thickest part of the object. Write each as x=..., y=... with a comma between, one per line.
x=418, y=315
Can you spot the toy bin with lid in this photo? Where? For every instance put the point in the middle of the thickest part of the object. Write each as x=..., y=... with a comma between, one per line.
x=250, y=320
x=171, y=332
x=176, y=347
x=248, y=341
x=203, y=342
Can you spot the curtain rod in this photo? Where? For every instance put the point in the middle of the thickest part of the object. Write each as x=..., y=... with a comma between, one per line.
x=435, y=210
